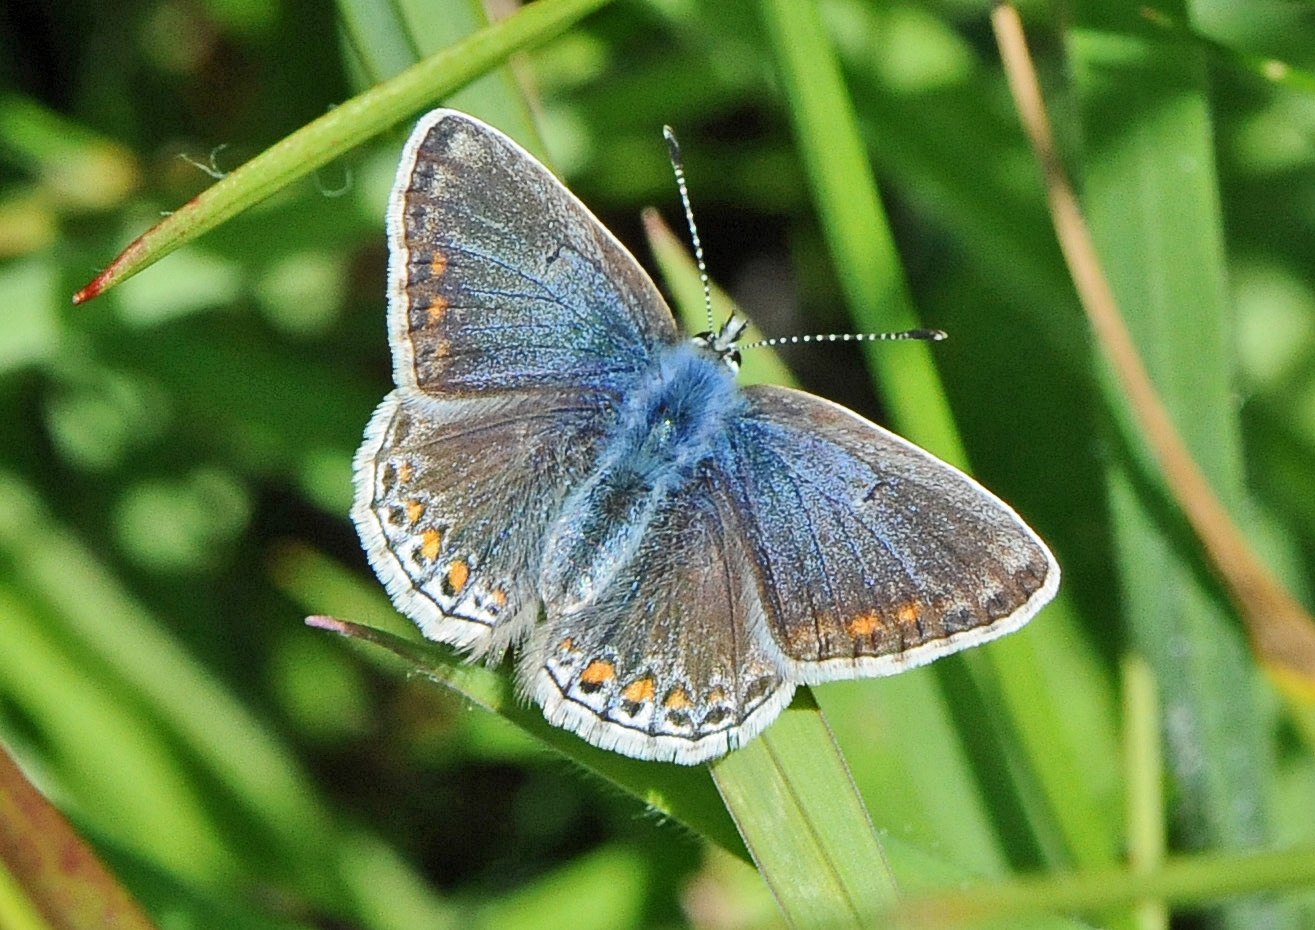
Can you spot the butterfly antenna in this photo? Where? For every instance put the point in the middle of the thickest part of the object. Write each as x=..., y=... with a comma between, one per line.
x=678, y=166
x=926, y=335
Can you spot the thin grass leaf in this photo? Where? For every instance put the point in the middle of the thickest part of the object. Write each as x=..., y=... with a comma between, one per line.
x=1152, y=203
x=684, y=794
x=1143, y=763
x=796, y=806
x=854, y=221
x=340, y=130
x=1187, y=880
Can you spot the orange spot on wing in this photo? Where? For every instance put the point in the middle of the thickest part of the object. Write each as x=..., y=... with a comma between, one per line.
x=566, y=645
x=430, y=543
x=598, y=672
x=405, y=471
x=458, y=574
x=677, y=700
x=499, y=598
x=908, y=613
x=438, y=265
x=414, y=511
x=640, y=691
x=716, y=695
x=865, y=625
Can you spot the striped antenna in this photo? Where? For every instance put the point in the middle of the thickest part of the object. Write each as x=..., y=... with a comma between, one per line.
x=928, y=335
x=678, y=166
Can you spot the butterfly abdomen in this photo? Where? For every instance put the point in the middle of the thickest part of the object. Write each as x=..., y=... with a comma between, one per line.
x=670, y=422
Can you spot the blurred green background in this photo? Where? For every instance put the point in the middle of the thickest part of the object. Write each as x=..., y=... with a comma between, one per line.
x=175, y=455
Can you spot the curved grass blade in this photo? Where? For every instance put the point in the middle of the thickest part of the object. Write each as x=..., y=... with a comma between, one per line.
x=343, y=128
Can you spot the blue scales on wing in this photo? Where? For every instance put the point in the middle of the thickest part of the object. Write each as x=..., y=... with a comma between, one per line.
x=669, y=661
x=453, y=498
x=501, y=280
x=871, y=555
x=517, y=324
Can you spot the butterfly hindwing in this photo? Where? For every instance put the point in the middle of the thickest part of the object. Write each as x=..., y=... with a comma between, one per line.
x=670, y=663
x=870, y=555
x=500, y=279
x=452, y=501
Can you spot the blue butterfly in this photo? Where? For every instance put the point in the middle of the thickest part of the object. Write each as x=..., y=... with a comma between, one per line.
x=560, y=471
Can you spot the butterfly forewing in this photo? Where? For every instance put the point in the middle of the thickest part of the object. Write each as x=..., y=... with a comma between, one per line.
x=501, y=280
x=872, y=556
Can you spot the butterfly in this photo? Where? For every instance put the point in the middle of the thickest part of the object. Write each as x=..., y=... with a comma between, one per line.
x=561, y=473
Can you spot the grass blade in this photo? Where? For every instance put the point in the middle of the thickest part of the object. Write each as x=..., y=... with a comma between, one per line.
x=681, y=793
x=796, y=806
x=1188, y=880
x=344, y=127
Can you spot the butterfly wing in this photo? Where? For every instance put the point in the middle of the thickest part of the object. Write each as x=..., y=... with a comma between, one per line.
x=515, y=320
x=453, y=498
x=670, y=662
x=870, y=555
x=500, y=279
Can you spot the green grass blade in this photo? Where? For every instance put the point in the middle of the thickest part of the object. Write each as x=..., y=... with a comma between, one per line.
x=796, y=806
x=1143, y=763
x=343, y=128
x=1188, y=880
x=1152, y=201
x=854, y=221
x=684, y=794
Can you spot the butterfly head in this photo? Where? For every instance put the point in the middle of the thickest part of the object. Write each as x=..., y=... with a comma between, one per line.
x=725, y=342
